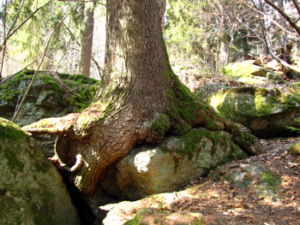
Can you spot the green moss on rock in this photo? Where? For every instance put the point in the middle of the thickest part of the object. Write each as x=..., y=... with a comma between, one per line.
x=31, y=189
x=161, y=125
x=295, y=149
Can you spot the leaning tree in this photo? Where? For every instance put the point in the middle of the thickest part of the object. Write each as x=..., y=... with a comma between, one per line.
x=140, y=100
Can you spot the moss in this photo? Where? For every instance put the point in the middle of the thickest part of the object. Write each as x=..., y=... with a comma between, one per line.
x=13, y=161
x=83, y=79
x=190, y=142
x=161, y=124
x=270, y=178
x=44, y=212
x=136, y=221
x=9, y=130
x=215, y=176
x=198, y=222
x=294, y=149
x=172, y=110
x=85, y=87
x=241, y=70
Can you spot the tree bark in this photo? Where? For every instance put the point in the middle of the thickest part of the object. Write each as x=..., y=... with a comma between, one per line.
x=87, y=42
x=138, y=91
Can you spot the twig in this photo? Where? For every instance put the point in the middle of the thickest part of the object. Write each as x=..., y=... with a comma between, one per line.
x=288, y=19
x=100, y=70
x=3, y=47
x=260, y=12
x=63, y=54
x=82, y=1
x=42, y=59
x=270, y=50
x=16, y=18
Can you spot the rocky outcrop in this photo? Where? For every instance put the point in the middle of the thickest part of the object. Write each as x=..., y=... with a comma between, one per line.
x=176, y=162
x=31, y=189
x=247, y=72
x=266, y=112
x=52, y=95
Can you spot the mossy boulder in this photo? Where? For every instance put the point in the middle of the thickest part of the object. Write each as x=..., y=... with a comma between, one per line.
x=49, y=97
x=247, y=72
x=295, y=149
x=256, y=177
x=31, y=189
x=266, y=112
x=171, y=165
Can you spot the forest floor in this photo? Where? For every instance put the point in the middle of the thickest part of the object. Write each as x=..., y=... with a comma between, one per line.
x=221, y=203
x=214, y=200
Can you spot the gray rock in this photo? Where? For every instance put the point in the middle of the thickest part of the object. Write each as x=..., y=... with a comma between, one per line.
x=31, y=189
x=172, y=165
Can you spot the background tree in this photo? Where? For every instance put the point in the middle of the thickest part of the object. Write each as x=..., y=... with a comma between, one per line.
x=87, y=40
x=64, y=52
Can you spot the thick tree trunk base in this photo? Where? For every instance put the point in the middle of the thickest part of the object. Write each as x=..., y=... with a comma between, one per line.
x=94, y=134
x=140, y=100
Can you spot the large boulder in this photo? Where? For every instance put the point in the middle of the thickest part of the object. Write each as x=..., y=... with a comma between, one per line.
x=170, y=166
x=247, y=72
x=266, y=112
x=31, y=189
x=51, y=95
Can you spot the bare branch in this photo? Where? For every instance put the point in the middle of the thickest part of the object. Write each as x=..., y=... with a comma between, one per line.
x=297, y=7
x=3, y=47
x=100, y=70
x=262, y=13
x=288, y=19
x=16, y=18
x=83, y=1
x=265, y=41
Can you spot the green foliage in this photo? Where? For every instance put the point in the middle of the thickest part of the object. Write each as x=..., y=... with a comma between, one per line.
x=295, y=129
x=30, y=39
x=184, y=31
x=161, y=125
x=295, y=149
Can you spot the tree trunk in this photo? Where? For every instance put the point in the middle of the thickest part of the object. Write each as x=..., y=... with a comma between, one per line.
x=87, y=42
x=162, y=6
x=140, y=100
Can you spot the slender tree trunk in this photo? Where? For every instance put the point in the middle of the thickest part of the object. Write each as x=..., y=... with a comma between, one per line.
x=87, y=41
x=138, y=90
